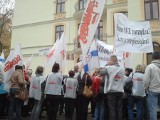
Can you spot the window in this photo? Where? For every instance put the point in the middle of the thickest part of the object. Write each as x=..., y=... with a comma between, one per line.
x=59, y=30
x=99, y=31
x=60, y=6
x=156, y=48
x=151, y=9
x=82, y=4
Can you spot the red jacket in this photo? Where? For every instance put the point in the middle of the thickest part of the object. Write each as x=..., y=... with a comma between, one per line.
x=25, y=76
x=96, y=84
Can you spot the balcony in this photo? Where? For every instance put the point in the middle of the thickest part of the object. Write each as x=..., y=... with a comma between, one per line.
x=79, y=9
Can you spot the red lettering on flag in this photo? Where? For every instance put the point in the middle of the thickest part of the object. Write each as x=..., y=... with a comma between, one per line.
x=51, y=53
x=10, y=64
x=84, y=28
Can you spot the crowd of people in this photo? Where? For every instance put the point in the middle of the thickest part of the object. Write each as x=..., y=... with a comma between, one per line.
x=115, y=89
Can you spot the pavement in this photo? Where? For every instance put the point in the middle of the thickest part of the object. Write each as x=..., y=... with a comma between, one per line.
x=59, y=117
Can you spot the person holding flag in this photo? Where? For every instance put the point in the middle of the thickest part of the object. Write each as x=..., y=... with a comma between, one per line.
x=114, y=82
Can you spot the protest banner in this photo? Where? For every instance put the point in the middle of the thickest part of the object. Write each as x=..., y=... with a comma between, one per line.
x=105, y=51
x=89, y=23
x=27, y=63
x=50, y=59
x=93, y=59
x=132, y=36
x=14, y=58
x=57, y=53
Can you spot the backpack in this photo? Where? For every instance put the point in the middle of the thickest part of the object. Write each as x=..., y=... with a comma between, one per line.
x=128, y=86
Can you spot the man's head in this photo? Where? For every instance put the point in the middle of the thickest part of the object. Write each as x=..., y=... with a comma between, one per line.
x=18, y=67
x=156, y=56
x=112, y=60
x=76, y=68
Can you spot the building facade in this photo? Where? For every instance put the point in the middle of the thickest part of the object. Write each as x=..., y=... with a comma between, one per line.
x=37, y=25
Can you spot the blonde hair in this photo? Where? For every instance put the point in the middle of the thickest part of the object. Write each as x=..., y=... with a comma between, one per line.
x=139, y=68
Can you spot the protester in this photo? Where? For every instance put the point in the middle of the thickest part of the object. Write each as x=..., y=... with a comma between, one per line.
x=138, y=94
x=93, y=103
x=3, y=94
x=25, y=108
x=53, y=91
x=82, y=101
x=114, y=82
x=128, y=71
x=17, y=81
x=152, y=85
x=98, y=97
x=36, y=92
x=30, y=100
x=77, y=73
x=70, y=87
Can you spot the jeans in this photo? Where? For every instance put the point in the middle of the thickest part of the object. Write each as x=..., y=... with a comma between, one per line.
x=15, y=106
x=99, y=110
x=152, y=101
x=36, y=110
x=139, y=107
x=69, y=108
x=115, y=105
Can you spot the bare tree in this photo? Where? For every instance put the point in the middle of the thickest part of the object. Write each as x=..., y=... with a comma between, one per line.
x=6, y=16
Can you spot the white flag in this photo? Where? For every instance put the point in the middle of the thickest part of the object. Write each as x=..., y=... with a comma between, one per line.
x=28, y=63
x=89, y=23
x=2, y=59
x=50, y=59
x=132, y=36
x=14, y=58
x=60, y=51
x=57, y=53
x=93, y=59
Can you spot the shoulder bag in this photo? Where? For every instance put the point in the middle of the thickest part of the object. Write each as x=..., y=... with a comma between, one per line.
x=87, y=91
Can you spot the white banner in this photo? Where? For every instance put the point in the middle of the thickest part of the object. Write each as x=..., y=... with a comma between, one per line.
x=105, y=51
x=57, y=53
x=132, y=36
x=93, y=59
x=14, y=58
x=27, y=63
x=89, y=23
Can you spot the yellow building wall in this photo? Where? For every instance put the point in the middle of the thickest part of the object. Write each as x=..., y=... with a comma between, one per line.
x=35, y=21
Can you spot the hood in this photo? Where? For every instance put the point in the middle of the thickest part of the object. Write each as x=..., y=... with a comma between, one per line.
x=156, y=62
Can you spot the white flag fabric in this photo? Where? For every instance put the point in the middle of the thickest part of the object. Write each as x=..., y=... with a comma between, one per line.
x=134, y=37
x=92, y=60
x=105, y=51
x=14, y=58
x=2, y=59
x=58, y=53
x=28, y=62
x=128, y=57
x=50, y=59
x=89, y=23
